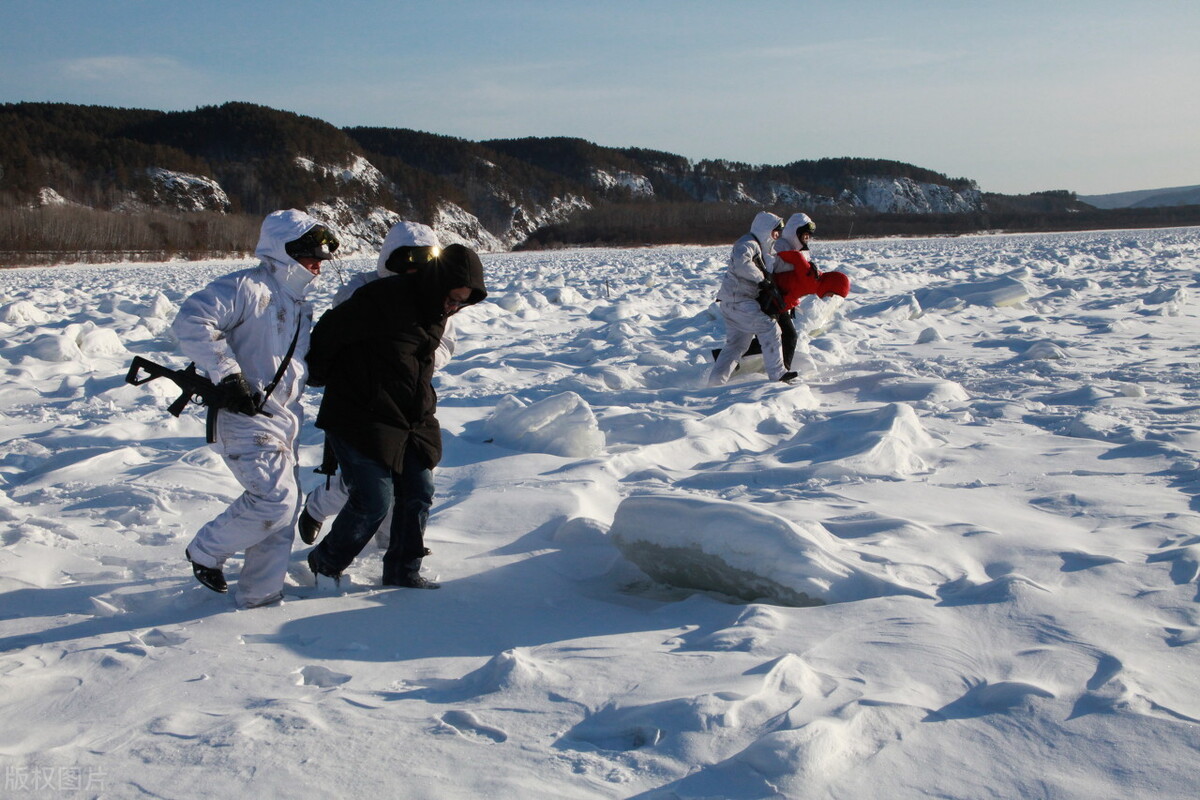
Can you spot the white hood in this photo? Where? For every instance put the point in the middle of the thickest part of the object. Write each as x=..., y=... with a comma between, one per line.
x=404, y=234
x=789, y=239
x=764, y=223
x=279, y=228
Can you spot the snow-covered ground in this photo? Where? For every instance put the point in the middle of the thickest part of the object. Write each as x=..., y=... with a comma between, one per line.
x=990, y=476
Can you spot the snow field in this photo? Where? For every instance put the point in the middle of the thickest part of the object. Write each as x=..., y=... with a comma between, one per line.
x=988, y=477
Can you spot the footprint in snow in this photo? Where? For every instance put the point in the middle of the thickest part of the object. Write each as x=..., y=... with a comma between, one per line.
x=185, y=724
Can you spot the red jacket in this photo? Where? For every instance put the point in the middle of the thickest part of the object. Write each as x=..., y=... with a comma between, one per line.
x=804, y=279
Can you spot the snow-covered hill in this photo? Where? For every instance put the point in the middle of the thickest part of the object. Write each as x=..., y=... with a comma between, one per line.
x=1146, y=198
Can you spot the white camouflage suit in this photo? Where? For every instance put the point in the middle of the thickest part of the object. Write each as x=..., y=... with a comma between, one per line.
x=738, y=298
x=244, y=322
x=325, y=501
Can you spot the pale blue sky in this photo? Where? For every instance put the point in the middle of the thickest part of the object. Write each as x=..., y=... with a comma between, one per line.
x=1094, y=97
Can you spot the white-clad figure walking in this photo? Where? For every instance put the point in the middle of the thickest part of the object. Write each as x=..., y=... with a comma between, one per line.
x=249, y=333
x=738, y=297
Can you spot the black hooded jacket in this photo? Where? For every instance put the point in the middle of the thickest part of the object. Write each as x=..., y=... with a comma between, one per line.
x=374, y=356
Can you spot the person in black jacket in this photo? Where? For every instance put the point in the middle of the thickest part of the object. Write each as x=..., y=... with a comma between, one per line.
x=374, y=354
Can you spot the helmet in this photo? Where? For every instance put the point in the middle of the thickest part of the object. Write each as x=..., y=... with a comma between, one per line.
x=803, y=223
x=317, y=242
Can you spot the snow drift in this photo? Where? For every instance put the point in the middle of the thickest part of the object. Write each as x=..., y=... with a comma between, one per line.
x=740, y=551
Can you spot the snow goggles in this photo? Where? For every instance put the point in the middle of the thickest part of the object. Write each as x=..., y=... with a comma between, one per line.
x=317, y=243
x=412, y=257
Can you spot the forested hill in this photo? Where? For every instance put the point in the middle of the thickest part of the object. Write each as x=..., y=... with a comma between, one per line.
x=203, y=176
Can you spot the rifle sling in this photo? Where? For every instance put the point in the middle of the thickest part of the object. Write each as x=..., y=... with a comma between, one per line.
x=283, y=365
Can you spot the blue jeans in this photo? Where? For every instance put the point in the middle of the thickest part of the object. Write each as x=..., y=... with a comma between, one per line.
x=373, y=487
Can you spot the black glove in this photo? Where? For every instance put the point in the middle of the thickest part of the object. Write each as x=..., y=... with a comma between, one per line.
x=237, y=396
x=765, y=285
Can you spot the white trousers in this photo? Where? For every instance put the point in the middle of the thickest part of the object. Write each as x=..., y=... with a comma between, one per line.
x=262, y=522
x=743, y=321
x=324, y=503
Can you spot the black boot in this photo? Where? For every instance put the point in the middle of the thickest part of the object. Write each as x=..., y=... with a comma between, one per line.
x=314, y=564
x=309, y=527
x=211, y=577
x=414, y=580
x=789, y=377
x=407, y=575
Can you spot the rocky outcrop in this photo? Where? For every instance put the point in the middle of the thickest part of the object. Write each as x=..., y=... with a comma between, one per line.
x=906, y=196
x=636, y=185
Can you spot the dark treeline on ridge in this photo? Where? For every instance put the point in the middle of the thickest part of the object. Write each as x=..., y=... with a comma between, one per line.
x=96, y=182
x=708, y=223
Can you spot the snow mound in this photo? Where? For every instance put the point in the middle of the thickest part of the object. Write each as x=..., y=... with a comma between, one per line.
x=23, y=312
x=562, y=425
x=514, y=670
x=96, y=341
x=914, y=390
x=616, y=312
x=1005, y=290
x=513, y=303
x=814, y=315
x=930, y=335
x=1167, y=294
x=739, y=550
x=794, y=762
x=882, y=442
x=55, y=347
x=564, y=296
x=1043, y=351
x=160, y=307
x=76, y=341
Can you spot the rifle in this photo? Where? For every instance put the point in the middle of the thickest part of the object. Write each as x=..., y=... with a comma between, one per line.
x=196, y=388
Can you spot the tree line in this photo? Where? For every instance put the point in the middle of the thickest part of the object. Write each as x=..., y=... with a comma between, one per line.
x=61, y=234
x=632, y=225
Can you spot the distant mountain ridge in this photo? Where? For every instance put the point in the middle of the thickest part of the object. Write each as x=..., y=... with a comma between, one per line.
x=197, y=181
x=245, y=158
x=1146, y=198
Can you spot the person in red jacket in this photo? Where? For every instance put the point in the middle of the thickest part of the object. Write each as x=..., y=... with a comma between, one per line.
x=796, y=277
x=794, y=274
